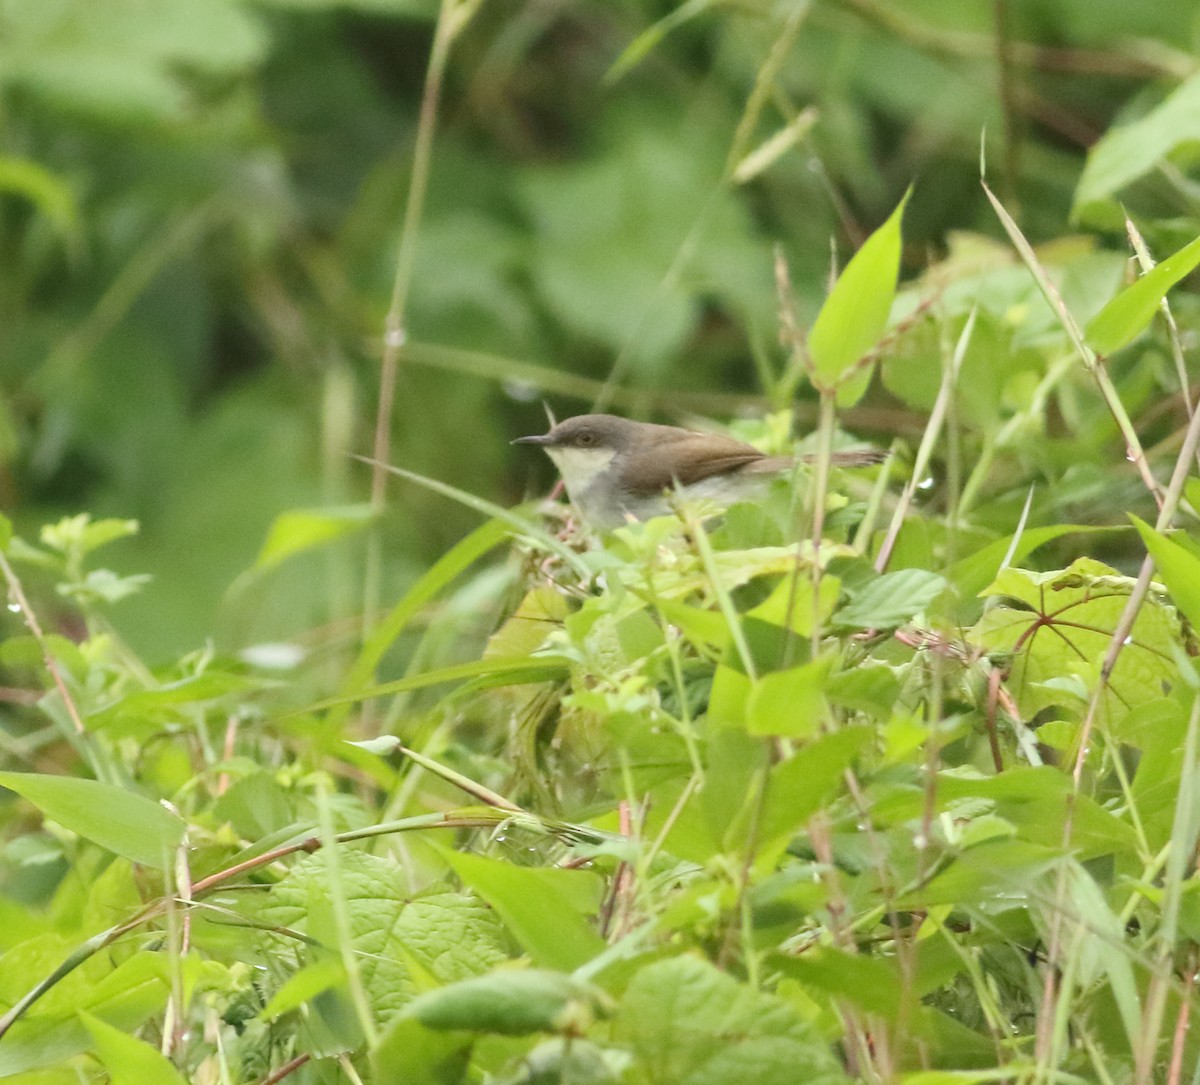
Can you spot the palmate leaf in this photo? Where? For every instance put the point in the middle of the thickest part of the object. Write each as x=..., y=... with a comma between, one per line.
x=1058, y=626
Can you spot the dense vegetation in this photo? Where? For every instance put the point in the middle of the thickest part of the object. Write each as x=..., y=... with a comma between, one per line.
x=381, y=775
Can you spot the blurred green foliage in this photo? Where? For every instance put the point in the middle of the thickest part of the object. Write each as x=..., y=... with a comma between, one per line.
x=200, y=207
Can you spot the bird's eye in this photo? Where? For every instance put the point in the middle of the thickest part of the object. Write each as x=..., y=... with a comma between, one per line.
x=586, y=439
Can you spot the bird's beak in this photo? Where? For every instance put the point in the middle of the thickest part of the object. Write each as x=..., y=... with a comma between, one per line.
x=536, y=439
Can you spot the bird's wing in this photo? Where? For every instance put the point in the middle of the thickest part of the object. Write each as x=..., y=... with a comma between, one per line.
x=680, y=461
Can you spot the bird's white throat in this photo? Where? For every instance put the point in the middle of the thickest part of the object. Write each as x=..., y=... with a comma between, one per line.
x=580, y=467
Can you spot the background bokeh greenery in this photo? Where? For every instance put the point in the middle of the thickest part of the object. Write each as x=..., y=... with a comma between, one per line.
x=200, y=207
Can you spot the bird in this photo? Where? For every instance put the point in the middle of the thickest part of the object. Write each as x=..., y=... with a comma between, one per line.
x=616, y=469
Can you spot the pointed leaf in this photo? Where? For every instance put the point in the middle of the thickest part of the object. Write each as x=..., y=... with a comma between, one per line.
x=1127, y=315
x=542, y=907
x=129, y=1061
x=1179, y=569
x=855, y=314
x=296, y=530
x=124, y=822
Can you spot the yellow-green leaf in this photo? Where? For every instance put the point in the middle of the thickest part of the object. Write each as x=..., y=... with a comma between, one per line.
x=856, y=312
x=1127, y=315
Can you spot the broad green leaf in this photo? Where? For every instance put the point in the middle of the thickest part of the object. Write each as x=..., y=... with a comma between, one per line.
x=890, y=600
x=687, y=1023
x=854, y=316
x=129, y=1061
x=699, y=625
x=973, y=573
x=6, y=533
x=799, y=786
x=728, y=698
x=1099, y=951
x=1126, y=152
x=304, y=986
x=538, y=615
x=1061, y=631
x=1129, y=314
x=868, y=688
x=416, y=1055
x=1033, y=798
x=999, y=875
x=122, y=821
x=871, y=983
x=442, y=934
x=547, y=910
x=1179, y=569
x=790, y=703
x=125, y=997
x=793, y=603
x=512, y=1002
x=297, y=530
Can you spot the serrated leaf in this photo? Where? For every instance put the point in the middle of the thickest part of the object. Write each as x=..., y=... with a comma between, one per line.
x=890, y=600
x=1127, y=315
x=122, y=821
x=689, y=1024
x=856, y=312
x=448, y=935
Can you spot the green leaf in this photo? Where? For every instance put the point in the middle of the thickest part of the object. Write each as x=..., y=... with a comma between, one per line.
x=689, y=1024
x=1061, y=629
x=6, y=533
x=443, y=934
x=1126, y=152
x=794, y=604
x=871, y=983
x=129, y=1061
x=790, y=703
x=416, y=1055
x=1129, y=314
x=1179, y=569
x=122, y=821
x=973, y=573
x=856, y=312
x=890, y=600
x=799, y=786
x=458, y=558
x=297, y=530
x=304, y=986
x=78, y=536
x=512, y=1002
x=48, y=192
x=492, y=672
x=125, y=997
x=870, y=688
x=547, y=910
